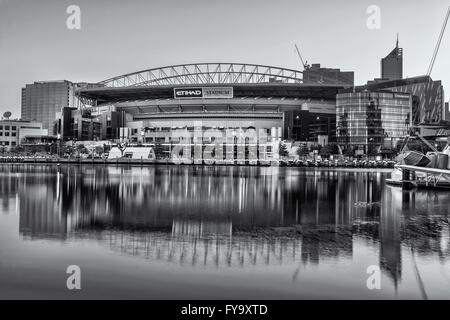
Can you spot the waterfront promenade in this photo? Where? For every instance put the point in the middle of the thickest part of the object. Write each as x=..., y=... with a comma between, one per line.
x=167, y=161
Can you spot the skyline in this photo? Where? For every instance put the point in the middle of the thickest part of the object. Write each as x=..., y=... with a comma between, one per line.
x=262, y=32
x=246, y=152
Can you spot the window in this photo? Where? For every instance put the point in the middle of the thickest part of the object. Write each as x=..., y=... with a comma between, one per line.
x=1, y=133
x=6, y=127
x=13, y=128
x=13, y=134
x=6, y=134
x=6, y=143
x=1, y=127
x=13, y=143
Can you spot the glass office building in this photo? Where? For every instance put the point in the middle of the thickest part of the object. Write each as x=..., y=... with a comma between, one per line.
x=367, y=121
x=428, y=96
x=42, y=100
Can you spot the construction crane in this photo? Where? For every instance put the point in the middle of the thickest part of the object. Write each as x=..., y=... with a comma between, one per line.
x=436, y=49
x=304, y=63
x=323, y=79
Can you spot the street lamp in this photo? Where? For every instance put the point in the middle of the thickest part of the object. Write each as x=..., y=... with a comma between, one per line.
x=143, y=136
x=58, y=146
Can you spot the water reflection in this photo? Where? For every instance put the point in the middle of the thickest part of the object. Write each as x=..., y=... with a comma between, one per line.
x=152, y=197
x=219, y=216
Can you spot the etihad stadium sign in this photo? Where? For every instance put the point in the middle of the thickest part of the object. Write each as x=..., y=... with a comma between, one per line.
x=203, y=93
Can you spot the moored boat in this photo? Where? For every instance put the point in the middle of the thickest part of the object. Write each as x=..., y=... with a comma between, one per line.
x=416, y=169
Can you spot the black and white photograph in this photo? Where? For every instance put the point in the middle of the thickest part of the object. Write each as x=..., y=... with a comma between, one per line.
x=224, y=154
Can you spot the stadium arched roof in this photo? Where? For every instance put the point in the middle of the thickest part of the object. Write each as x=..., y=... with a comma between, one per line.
x=206, y=73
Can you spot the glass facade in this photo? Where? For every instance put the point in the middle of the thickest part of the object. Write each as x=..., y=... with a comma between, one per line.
x=42, y=100
x=430, y=101
x=302, y=125
x=365, y=121
x=428, y=97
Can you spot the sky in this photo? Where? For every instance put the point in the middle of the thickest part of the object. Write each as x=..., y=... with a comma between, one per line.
x=118, y=37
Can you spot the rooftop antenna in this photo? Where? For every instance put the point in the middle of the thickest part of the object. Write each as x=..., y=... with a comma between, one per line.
x=436, y=49
x=7, y=115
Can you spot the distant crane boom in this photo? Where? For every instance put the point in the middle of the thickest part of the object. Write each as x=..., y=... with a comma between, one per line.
x=436, y=49
x=305, y=65
x=329, y=80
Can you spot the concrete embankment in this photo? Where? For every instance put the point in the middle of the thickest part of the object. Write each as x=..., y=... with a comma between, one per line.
x=129, y=161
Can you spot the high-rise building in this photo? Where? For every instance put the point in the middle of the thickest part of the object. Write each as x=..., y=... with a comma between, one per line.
x=42, y=100
x=392, y=64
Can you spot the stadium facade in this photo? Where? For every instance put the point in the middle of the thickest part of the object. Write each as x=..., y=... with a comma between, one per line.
x=224, y=97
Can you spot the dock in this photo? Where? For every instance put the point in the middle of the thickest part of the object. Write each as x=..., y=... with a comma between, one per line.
x=422, y=177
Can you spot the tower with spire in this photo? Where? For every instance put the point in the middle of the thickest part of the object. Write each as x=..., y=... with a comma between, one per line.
x=392, y=64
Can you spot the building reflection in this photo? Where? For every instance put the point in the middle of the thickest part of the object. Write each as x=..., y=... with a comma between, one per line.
x=8, y=188
x=390, y=235
x=195, y=229
x=197, y=215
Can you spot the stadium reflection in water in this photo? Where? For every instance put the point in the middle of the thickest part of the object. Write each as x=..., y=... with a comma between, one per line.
x=234, y=217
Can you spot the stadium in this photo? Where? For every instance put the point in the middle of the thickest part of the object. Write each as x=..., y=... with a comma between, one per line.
x=145, y=107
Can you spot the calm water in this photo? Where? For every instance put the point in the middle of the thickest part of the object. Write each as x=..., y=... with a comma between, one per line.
x=189, y=232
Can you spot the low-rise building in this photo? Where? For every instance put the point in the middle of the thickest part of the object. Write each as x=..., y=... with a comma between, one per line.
x=315, y=74
x=76, y=124
x=367, y=121
x=428, y=106
x=306, y=126
x=13, y=132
